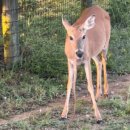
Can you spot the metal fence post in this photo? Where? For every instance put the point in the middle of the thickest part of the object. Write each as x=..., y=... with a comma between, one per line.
x=10, y=31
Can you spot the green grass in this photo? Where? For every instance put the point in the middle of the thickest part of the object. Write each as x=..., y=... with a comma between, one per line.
x=21, y=91
x=116, y=107
x=49, y=121
x=42, y=42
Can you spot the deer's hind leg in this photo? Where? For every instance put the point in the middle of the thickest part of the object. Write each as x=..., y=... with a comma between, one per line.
x=104, y=60
x=98, y=63
x=91, y=90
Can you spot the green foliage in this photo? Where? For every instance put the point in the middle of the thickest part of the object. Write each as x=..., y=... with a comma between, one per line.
x=118, y=56
x=20, y=92
x=43, y=42
x=43, y=36
x=120, y=12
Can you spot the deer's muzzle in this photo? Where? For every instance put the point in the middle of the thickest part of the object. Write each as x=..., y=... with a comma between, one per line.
x=79, y=53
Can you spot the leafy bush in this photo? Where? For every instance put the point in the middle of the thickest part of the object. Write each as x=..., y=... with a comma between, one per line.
x=118, y=56
x=120, y=12
x=43, y=41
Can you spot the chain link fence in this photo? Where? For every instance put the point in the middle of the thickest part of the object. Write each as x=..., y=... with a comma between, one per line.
x=42, y=36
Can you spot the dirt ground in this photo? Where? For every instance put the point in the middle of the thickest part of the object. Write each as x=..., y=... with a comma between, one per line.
x=119, y=86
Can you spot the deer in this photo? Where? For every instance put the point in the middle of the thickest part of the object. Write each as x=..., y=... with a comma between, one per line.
x=87, y=39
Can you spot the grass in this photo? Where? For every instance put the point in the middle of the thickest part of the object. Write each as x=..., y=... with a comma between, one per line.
x=34, y=92
x=128, y=102
x=42, y=76
x=50, y=121
x=21, y=91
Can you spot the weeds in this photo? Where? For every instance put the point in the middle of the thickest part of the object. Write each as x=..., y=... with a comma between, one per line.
x=128, y=102
x=25, y=92
x=43, y=54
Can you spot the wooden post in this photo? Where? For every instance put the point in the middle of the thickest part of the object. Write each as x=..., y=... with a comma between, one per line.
x=85, y=3
x=10, y=31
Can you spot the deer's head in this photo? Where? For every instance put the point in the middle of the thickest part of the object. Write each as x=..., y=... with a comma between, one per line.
x=77, y=35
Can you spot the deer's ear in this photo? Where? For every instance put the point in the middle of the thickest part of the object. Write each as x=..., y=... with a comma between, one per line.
x=66, y=24
x=89, y=23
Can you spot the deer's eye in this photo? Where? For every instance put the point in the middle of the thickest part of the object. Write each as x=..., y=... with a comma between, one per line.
x=71, y=38
x=83, y=36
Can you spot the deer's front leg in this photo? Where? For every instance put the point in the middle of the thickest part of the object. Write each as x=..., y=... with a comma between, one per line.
x=91, y=90
x=71, y=82
x=74, y=84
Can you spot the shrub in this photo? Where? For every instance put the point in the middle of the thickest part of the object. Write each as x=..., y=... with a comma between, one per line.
x=120, y=12
x=118, y=56
x=43, y=41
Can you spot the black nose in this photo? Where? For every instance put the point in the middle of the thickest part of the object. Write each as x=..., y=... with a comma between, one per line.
x=79, y=54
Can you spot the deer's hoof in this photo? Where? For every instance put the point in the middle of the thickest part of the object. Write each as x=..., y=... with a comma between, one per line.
x=99, y=121
x=106, y=95
x=63, y=118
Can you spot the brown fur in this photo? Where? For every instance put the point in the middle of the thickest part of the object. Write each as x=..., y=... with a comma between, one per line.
x=98, y=37
x=94, y=24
